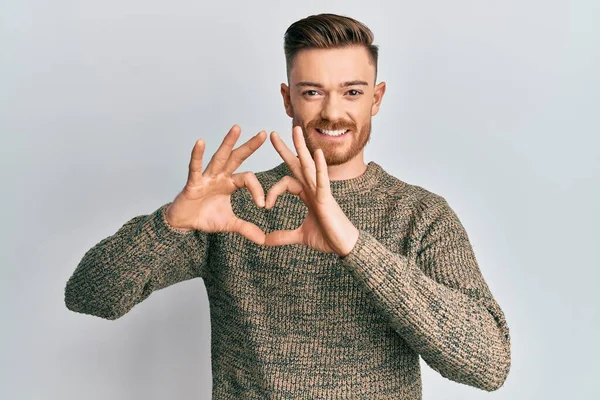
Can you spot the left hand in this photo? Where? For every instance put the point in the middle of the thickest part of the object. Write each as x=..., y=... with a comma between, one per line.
x=326, y=227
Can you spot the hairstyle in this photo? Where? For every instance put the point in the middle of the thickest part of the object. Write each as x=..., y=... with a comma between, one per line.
x=327, y=31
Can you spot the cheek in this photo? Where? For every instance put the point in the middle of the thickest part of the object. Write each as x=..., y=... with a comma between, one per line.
x=364, y=112
x=306, y=112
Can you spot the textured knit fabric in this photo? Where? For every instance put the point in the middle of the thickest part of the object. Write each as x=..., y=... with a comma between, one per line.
x=290, y=322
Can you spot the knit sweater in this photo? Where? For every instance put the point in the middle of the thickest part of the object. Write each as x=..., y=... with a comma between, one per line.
x=290, y=322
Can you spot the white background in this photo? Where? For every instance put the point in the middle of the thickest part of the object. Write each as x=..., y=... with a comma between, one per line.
x=491, y=104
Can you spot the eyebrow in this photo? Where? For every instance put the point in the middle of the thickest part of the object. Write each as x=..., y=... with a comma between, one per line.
x=343, y=84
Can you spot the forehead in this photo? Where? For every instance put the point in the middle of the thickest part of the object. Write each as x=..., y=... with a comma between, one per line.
x=332, y=66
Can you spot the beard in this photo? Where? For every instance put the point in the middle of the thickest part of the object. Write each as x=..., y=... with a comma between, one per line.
x=336, y=152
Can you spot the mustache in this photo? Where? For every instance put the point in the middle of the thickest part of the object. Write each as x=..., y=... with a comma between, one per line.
x=331, y=126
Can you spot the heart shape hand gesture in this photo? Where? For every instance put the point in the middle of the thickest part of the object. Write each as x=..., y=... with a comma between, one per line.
x=205, y=201
x=326, y=227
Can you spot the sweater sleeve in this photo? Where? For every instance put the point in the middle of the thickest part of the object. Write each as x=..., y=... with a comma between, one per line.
x=144, y=255
x=438, y=301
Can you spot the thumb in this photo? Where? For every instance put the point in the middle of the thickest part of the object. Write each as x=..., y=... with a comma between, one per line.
x=249, y=231
x=282, y=237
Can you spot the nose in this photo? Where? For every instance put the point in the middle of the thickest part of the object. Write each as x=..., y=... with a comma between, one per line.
x=332, y=109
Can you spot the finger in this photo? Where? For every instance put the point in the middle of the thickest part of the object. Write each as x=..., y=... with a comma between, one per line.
x=249, y=230
x=195, y=165
x=285, y=184
x=278, y=238
x=221, y=156
x=306, y=160
x=250, y=181
x=237, y=157
x=286, y=154
x=323, y=188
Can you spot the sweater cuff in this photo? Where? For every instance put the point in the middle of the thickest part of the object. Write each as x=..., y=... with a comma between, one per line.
x=364, y=261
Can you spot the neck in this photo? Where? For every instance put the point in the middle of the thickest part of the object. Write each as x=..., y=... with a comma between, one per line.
x=348, y=170
x=360, y=184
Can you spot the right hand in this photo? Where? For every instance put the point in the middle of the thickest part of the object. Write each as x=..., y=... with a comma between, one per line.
x=205, y=202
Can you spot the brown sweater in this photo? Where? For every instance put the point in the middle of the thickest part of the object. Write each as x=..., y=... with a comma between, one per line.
x=289, y=322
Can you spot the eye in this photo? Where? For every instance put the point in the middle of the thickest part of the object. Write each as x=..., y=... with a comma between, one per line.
x=308, y=93
x=354, y=92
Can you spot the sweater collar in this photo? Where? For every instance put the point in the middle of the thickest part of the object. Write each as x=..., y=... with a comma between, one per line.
x=369, y=179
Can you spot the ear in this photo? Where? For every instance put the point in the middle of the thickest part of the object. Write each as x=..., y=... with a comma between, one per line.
x=287, y=102
x=377, y=97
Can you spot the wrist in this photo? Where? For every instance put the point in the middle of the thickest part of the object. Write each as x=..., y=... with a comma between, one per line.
x=168, y=220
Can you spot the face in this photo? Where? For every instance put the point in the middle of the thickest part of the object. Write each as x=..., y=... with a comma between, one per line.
x=333, y=90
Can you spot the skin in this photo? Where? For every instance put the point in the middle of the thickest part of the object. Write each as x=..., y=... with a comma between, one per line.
x=315, y=97
x=325, y=102
x=330, y=89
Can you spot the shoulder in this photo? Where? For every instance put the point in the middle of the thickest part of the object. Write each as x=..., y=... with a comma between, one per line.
x=427, y=211
x=417, y=198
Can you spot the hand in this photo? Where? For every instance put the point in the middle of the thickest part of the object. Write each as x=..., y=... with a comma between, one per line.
x=326, y=227
x=205, y=201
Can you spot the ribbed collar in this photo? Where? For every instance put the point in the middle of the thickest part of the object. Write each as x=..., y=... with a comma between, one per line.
x=372, y=176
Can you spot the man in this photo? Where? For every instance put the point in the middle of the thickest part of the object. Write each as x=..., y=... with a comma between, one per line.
x=359, y=274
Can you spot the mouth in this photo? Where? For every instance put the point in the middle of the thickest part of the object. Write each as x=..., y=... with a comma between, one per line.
x=332, y=133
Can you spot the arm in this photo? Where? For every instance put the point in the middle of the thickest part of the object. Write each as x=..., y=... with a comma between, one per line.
x=439, y=302
x=144, y=255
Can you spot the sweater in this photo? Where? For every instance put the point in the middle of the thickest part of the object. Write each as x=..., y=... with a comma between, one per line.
x=290, y=322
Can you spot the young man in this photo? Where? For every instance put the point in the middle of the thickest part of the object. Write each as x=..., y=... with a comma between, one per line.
x=359, y=274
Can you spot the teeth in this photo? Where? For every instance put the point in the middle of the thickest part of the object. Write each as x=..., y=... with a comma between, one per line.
x=333, y=133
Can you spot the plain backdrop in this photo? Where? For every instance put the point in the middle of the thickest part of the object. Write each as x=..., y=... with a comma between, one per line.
x=491, y=104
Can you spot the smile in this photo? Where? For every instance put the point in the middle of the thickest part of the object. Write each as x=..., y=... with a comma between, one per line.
x=332, y=133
